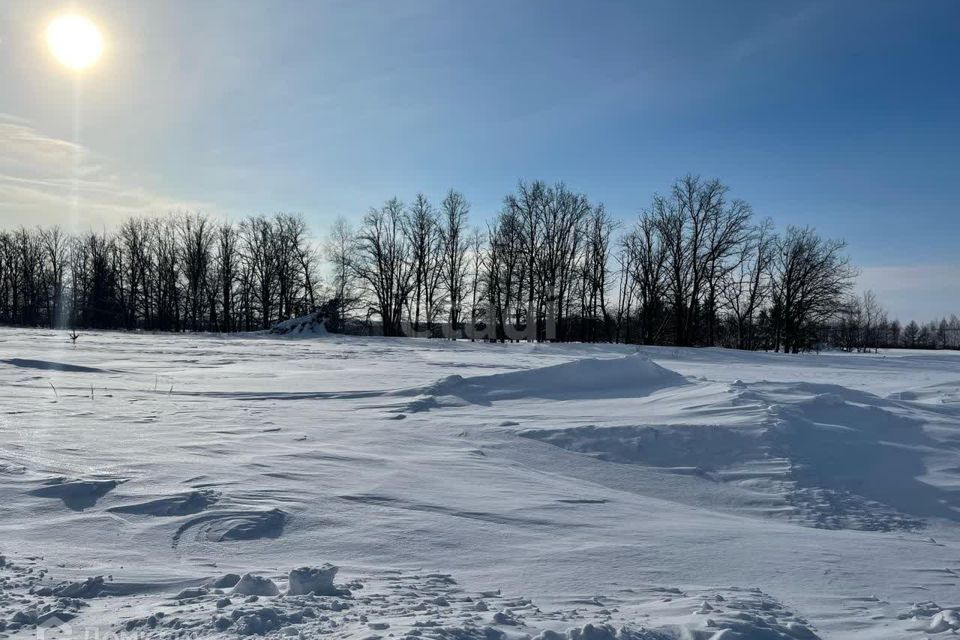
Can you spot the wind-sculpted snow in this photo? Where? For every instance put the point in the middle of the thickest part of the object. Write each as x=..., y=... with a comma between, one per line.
x=170, y=486
x=625, y=377
x=177, y=505
x=698, y=448
x=862, y=457
x=840, y=458
x=75, y=494
x=235, y=524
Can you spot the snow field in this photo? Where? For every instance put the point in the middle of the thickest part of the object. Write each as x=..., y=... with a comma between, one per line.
x=474, y=490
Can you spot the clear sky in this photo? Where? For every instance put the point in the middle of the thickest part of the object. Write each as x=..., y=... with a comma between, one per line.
x=841, y=115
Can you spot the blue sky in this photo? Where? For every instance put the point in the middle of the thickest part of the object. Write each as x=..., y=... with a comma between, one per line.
x=840, y=115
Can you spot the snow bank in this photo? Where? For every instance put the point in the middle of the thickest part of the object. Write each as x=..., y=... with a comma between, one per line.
x=631, y=376
x=829, y=456
x=312, y=324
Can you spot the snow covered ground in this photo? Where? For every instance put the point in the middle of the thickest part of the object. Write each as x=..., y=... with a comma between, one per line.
x=474, y=490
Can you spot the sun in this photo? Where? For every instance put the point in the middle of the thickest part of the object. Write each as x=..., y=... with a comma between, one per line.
x=75, y=41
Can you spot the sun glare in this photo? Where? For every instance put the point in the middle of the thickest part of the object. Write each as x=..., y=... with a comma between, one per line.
x=75, y=41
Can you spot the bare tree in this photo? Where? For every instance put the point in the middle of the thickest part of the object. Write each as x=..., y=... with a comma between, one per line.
x=454, y=244
x=56, y=247
x=648, y=262
x=339, y=251
x=745, y=288
x=383, y=263
x=873, y=316
x=476, y=244
x=563, y=214
x=626, y=288
x=699, y=231
x=227, y=258
x=599, y=228
x=423, y=237
x=504, y=269
x=810, y=277
x=527, y=212
x=295, y=263
x=196, y=233
x=257, y=233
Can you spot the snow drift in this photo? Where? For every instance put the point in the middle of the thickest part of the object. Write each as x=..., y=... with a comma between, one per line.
x=312, y=324
x=628, y=377
x=835, y=458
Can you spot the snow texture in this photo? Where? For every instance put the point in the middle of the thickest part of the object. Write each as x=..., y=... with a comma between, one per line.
x=369, y=488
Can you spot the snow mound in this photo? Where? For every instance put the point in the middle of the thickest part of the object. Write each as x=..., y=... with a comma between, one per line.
x=932, y=618
x=828, y=456
x=312, y=324
x=76, y=495
x=318, y=580
x=178, y=505
x=251, y=585
x=631, y=376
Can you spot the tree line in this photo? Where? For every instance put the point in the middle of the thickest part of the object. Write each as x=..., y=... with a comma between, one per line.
x=696, y=267
x=862, y=325
x=182, y=272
